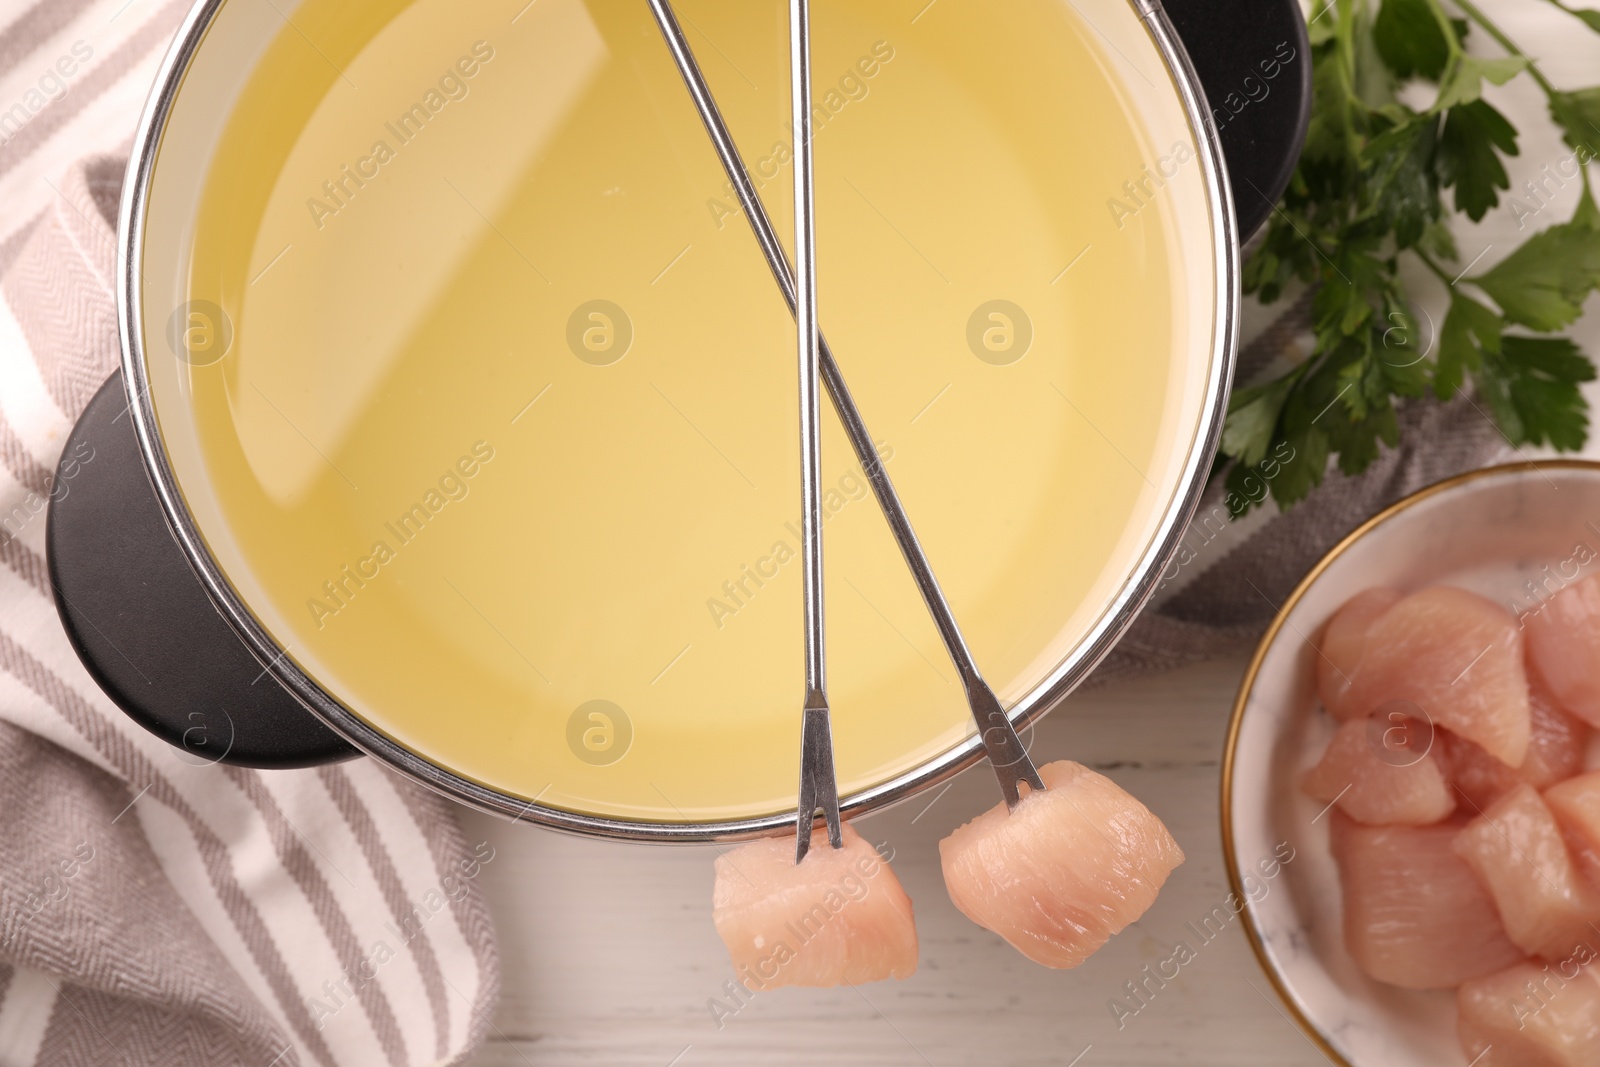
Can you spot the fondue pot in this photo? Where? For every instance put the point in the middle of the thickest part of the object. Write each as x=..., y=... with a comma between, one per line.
x=447, y=433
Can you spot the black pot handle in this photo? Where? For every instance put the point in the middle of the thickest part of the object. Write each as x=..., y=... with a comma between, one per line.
x=143, y=624
x=1254, y=62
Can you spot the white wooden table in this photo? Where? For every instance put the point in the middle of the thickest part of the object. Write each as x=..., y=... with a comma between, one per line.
x=609, y=954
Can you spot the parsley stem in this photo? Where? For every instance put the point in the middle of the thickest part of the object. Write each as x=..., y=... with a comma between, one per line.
x=1431, y=265
x=1452, y=40
x=1507, y=43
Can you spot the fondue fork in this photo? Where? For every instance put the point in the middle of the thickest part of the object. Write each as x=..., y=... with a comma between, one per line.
x=1004, y=749
x=818, y=786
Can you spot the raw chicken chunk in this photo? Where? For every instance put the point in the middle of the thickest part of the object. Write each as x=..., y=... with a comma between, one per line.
x=1458, y=659
x=1557, y=744
x=1576, y=806
x=1067, y=869
x=1564, y=647
x=1415, y=915
x=1517, y=850
x=1532, y=1015
x=1383, y=775
x=838, y=918
x=1343, y=641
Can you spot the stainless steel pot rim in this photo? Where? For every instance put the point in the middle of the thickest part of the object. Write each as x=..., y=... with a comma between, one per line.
x=1113, y=622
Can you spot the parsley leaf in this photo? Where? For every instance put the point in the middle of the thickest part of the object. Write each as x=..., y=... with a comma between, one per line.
x=1578, y=115
x=1530, y=383
x=1540, y=394
x=1470, y=330
x=1410, y=40
x=1335, y=134
x=1543, y=284
x=1252, y=418
x=1404, y=183
x=1356, y=441
x=1474, y=137
x=1464, y=82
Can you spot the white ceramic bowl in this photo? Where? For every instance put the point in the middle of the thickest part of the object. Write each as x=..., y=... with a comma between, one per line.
x=1490, y=531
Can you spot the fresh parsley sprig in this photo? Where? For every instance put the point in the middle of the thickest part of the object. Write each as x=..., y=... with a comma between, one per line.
x=1370, y=188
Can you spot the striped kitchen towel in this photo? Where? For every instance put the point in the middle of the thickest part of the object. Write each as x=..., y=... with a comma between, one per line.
x=155, y=910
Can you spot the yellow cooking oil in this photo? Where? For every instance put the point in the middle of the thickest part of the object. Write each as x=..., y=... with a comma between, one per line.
x=485, y=400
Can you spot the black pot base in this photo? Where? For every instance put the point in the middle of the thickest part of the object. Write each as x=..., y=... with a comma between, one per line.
x=143, y=624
